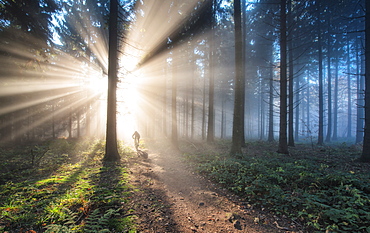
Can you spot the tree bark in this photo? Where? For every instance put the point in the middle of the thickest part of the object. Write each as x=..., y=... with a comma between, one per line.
x=164, y=100
x=174, y=134
x=204, y=111
x=283, y=144
x=223, y=120
x=328, y=133
x=211, y=93
x=70, y=122
x=320, y=140
x=262, y=107
x=335, y=113
x=360, y=96
x=53, y=120
x=193, y=63
x=111, y=151
x=271, y=101
x=349, y=93
x=238, y=118
x=308, y=94
x=365, y=156
x=291, y=81
x=244, y=28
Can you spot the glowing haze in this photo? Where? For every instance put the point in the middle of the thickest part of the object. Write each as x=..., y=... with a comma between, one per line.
x=148, y=82
x=167, y=54
x=50, y=93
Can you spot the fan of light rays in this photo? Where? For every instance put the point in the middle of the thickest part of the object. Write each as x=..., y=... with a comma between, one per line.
x=48, y=93
x=60, y=91
x=148, y=72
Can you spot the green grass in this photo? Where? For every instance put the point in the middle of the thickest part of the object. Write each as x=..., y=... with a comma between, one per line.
x=323, y=192
x=68, y=190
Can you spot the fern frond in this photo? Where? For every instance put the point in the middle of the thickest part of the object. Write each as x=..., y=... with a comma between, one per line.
x=98, y=222
x=55, y=228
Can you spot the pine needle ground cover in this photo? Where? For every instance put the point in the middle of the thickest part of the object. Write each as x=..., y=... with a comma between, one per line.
x=324, y=189
x=63, y=186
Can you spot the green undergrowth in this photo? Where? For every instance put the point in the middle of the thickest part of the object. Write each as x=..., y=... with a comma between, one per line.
x=64, y=187
x=313, y=191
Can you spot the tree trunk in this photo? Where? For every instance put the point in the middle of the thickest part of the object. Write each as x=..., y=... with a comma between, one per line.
x=283, y=144
x=70, y=123
x=238, y=119
x=360, y=96
x=186, y=109
x=308, y=94
x=365, y=157
x=271, y=102
x=291, y=81
x=328, y=133
x=262, y=108
x=193, y=63
x=211, y=93
x=297, y=111
x=211, y=117
x=244, y=29
x=88, y=120
x=320, y=136
x=111, y=151
x=78, y=123
x=164, y=101
x=223, y=118
x=174, y=134
x=204, y=110
x=335, y=113
x=53, y=120
x=349, y=94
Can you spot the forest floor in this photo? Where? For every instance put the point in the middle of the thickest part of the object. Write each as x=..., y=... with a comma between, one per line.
x=65, y=186
x=174, y=198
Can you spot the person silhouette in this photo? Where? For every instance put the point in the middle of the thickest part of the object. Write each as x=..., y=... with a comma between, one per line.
x=136, y=137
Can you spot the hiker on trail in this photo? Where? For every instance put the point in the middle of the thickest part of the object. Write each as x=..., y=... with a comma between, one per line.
x=136, y=137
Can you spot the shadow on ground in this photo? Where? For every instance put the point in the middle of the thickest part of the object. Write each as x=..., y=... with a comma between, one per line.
x=152, y=205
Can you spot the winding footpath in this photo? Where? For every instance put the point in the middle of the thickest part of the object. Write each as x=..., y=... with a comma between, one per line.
x=175, y=199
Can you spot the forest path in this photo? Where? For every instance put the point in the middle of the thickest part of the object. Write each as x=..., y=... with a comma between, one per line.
x=175, y=199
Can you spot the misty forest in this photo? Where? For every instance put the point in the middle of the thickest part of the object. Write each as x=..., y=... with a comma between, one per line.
x=264, y=105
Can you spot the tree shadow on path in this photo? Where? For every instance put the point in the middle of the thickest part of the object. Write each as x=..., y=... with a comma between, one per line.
x=152, y=204
x=196, y=204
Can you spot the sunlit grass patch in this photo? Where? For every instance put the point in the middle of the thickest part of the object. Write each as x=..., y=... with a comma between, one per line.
x=65, y=198
x=51, y=181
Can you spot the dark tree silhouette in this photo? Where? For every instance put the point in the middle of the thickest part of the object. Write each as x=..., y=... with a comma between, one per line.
x=291, y=78
x=31, y=17
x=111, y=151
x=211, y=94
x=321, y=92
x=174, y=133
x=329, y=47
x=365, y=157
x=283, y=144
x=238, y=137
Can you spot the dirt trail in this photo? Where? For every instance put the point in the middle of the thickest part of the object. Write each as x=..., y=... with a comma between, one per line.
x=174, y=199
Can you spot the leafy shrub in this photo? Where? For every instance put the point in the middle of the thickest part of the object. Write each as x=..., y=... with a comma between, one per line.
x=98, y=222
x=325, y=199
